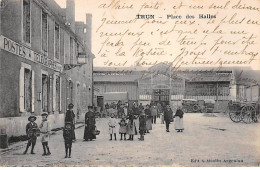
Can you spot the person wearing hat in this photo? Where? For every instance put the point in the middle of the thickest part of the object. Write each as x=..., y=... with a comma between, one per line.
x=112, y=126
x=70, y=117
x=168, y=117
x=31, y=131
x=45, y=130
x=67, y=135
x=90, y=124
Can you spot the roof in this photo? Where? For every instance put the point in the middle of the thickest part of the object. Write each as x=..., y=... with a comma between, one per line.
x=189, y=100
x=211, y=77
x=116, y=78
x=244, y=75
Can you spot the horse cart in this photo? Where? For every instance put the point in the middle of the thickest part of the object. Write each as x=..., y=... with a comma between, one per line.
x=247, y=112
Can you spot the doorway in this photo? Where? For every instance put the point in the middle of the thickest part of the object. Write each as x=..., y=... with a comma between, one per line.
x=161, y=96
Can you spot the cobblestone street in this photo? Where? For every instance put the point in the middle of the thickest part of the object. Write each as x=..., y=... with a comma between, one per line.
x=206, y=141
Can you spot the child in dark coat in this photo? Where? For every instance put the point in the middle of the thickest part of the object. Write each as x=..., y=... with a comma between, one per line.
x=68, y=136
x=142, y=125
x=31, y=131
x=123, y=129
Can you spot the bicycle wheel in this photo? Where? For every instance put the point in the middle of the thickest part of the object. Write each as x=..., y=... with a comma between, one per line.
x=249, y=114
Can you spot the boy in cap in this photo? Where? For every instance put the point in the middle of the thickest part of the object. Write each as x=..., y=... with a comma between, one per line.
x=68, y=135
x=31, y=131
x=45, y=130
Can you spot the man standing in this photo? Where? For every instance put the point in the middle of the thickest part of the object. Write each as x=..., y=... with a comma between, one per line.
x=167, y=117
x=154, y=111
x=136, y=113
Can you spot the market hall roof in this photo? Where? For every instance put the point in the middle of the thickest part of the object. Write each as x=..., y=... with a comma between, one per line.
x=130, y=74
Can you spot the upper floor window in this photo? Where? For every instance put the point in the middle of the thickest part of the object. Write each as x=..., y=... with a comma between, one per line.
x=71, y=50
x=44, y=32
x=57, y=41
x=27, y=21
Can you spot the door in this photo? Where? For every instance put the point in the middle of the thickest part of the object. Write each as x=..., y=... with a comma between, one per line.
x=100, y=102
x=161, y=96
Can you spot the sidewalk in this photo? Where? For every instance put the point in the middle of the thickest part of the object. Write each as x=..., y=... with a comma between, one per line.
x=22, y=144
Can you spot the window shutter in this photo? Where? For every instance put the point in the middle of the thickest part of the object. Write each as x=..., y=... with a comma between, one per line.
x=60, y=93
x=49, y=94
x=33, y=94
x=22, y=89
x=54, y=93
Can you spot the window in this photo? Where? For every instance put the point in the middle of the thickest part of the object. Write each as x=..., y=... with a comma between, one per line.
x=26, y=21
x=69, y=92
x=57, y=41
x=26, y=88
x=45, y=92
x=57, y=98
x=71, y=50
x=44, y=32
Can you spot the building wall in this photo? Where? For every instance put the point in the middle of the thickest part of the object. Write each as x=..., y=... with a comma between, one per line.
x=13, y=117
x=252, y=93
x=10, y=67
x=131, y=88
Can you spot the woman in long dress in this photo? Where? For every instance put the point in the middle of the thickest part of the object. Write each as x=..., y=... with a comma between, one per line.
x=130, y=126
x=179, y=120
x=90, y=125
x=148, y=113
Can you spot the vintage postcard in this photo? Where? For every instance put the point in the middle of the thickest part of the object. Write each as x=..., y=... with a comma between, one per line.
x=129, y=83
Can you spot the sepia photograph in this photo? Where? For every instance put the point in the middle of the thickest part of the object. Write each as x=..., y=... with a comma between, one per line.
x=129, y=83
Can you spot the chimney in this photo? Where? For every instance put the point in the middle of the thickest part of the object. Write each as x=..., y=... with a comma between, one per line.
x=88, y=38
x=70, y=13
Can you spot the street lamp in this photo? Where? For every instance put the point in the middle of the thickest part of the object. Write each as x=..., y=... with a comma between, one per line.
x=81, y=60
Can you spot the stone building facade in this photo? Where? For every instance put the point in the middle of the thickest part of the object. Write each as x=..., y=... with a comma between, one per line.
x=41, y=45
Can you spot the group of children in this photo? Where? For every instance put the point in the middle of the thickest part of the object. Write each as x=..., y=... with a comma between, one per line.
x=32, y=131
x=129, y=128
